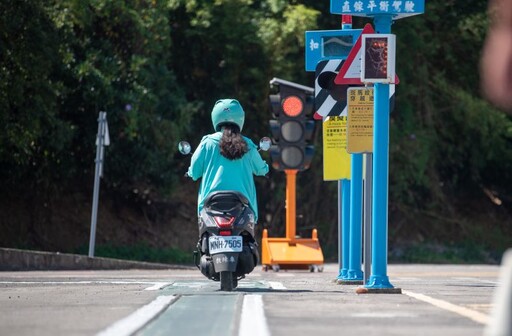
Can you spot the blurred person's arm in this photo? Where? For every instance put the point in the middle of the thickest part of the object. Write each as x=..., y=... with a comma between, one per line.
x=496, y=63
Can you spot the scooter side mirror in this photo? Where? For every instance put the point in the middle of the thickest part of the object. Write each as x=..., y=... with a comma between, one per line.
x=265, y=143
x=184, y=147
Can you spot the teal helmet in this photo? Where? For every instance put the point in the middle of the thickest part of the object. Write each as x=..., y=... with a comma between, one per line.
x=227, y=111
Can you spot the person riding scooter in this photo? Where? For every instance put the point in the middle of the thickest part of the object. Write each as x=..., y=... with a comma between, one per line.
x=227, y=160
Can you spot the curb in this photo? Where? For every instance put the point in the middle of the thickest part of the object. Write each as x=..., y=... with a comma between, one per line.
x=24, y=260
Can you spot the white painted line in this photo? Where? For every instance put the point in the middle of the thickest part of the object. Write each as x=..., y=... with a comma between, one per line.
x=276, y=285
x=99, y=282
x=192, y=284
x=139, y=318
x=154, y=285
x=463, y=311
x=253, y=321
x=158, y=286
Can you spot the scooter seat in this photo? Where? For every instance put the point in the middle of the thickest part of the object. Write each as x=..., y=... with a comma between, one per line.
x=225, y=201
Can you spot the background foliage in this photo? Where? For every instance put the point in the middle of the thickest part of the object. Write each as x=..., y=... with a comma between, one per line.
x=157, y=67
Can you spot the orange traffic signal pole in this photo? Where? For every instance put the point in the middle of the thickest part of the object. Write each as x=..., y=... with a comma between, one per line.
x=290, y=251
x=291, y=205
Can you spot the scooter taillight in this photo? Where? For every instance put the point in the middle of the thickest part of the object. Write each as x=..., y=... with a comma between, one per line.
x=224, y=222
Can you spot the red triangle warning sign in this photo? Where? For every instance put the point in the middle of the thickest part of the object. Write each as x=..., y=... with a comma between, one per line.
x=350, y=72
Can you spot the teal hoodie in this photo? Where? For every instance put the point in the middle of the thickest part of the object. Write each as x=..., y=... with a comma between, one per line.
x=219, y=173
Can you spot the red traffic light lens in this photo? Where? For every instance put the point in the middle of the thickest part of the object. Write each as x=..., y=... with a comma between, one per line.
x=292, y=106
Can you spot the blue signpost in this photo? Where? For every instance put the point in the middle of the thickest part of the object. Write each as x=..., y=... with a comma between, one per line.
x=355, y=275
x=322, y=45
x=383, y=13
x=344, y=229
x=378, y=278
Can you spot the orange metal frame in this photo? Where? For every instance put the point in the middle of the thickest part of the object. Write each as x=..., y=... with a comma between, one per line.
x=291, y=252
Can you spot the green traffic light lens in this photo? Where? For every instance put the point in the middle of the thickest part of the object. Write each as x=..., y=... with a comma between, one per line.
x=292, y=157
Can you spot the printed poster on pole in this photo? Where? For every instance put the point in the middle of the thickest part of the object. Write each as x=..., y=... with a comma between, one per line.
x=360, y=120
x=336, y=157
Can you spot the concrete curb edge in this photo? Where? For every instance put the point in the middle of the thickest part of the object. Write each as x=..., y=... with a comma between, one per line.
x=27, y=260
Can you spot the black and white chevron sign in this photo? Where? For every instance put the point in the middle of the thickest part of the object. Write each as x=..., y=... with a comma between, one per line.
x=330, y=98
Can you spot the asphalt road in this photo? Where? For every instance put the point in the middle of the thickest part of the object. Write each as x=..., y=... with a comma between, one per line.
x=436, y=300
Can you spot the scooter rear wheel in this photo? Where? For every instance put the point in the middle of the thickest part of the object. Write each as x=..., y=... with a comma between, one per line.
x=226, y=281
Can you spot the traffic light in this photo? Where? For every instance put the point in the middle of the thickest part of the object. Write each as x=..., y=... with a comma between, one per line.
x=292, y=127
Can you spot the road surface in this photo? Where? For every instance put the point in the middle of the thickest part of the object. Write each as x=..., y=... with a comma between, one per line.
x=436, y=300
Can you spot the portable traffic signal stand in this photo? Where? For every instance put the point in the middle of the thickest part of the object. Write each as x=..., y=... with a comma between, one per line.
x=291, y=252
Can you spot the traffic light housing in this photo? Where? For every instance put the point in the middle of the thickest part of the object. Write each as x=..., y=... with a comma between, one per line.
x=292, y=127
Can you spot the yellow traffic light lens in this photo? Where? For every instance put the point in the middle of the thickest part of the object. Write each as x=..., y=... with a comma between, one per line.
x=292, y=106
x=292, y=131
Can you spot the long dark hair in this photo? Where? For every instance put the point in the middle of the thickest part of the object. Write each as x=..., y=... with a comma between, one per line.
x=232, y=144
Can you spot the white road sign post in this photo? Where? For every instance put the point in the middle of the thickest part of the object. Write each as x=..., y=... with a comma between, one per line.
x=102, y=139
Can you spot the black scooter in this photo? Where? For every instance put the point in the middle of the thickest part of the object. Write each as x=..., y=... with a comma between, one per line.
x=226, y=250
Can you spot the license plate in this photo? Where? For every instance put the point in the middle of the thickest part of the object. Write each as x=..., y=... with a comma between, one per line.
x=220, y=244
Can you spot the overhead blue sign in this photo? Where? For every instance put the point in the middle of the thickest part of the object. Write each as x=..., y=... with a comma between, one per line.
x=397, y=8
x=324, y=45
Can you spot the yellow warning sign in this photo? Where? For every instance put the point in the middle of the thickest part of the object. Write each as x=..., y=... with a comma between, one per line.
x=360, y=120
x=336, y=158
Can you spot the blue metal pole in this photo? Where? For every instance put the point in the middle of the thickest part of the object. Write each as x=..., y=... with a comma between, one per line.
x=367, y=217
x=379, y=278
x=356, y=217
x=345, y=228
x=344, y=203
x=340, y=220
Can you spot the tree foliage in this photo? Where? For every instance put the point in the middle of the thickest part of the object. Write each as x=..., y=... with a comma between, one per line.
x=157, y=67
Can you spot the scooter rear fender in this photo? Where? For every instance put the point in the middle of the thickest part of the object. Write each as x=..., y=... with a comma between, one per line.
x=225, y=261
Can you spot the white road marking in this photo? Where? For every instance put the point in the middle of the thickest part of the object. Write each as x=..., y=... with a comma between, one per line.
x=463, y=311
x=276, y=285
x=154, y=285
x=158, y=286
x=192, y=284
x=253, y=321
x=139, y=318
